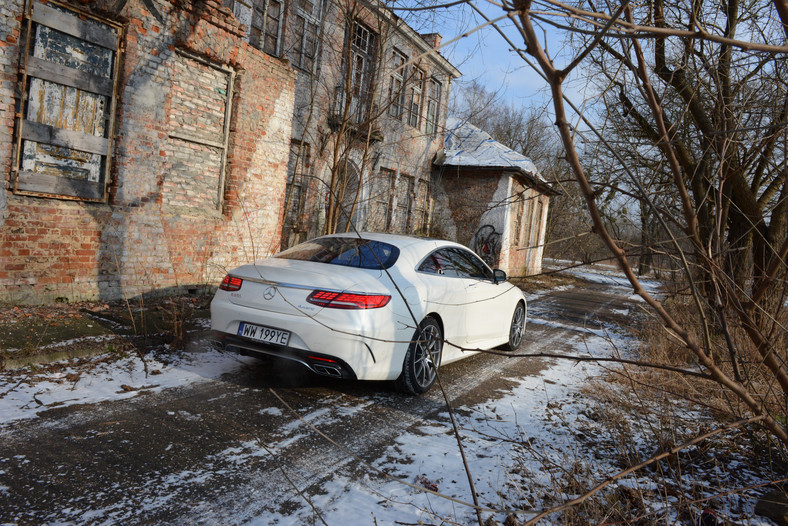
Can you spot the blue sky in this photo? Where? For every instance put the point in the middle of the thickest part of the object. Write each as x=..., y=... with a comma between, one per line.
x=485, y=55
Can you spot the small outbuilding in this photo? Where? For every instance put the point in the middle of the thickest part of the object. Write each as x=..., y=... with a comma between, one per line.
x=490, y=198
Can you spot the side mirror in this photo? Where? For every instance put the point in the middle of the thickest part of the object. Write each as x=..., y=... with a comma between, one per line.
x=499, y=276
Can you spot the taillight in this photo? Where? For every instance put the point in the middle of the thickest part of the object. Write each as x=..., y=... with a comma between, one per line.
x=231, y=283
x=346, y=300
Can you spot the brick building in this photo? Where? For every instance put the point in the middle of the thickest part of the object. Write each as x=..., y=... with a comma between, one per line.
x=369, y=117
x=491, y=199
x=152, y=144
x=144, y=146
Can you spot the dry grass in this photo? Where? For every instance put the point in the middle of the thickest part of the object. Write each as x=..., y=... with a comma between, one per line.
x=739, y=359
x=666, y=409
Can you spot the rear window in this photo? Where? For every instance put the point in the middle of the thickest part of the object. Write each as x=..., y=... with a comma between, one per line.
x=345, y=251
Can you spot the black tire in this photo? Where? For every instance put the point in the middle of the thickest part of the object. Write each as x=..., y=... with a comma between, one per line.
x=420, y=368
x=516, y=329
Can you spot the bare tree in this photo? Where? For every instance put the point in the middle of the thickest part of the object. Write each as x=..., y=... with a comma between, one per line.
x=704, y=86
x=368, y=108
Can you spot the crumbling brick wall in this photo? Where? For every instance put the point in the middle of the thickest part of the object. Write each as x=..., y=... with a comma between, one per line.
x=170, y=220
x=479, y=208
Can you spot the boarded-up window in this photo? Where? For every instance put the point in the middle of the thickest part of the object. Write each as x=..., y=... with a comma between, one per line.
x=199, y=128
x=528, y=221
x=402, y=191
x=69, y=75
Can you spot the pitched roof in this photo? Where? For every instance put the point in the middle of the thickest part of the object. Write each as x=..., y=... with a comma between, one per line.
x=468, y=146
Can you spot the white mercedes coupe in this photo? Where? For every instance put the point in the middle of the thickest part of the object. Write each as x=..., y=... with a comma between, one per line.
x=369, y=307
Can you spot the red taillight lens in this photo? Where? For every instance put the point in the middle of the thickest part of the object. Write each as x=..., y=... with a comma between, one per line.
x=230, y=283
x=345, y=300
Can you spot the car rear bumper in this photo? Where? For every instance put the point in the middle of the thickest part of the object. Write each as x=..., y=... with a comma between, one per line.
x=365, y=345
x=316, y=362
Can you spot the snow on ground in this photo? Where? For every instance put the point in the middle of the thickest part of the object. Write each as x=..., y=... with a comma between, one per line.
x=524, y=448
x=603, y=274
x=23, y=395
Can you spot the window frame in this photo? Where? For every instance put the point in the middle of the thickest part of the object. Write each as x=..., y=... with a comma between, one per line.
x=71, y=22
x=301, y=155
x=416, y=97
x=228, y=109
x=421, y=206
x=397, y=86
x=446, y=261
x=310, y=19
x=361, y=52
x=434, y=90
x=381, y=198
x=399, y=210
x=257, y=14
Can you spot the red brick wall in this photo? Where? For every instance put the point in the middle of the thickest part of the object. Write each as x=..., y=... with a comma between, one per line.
x=158, y=229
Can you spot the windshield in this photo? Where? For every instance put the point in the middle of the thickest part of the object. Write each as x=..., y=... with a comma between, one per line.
x=346, y=251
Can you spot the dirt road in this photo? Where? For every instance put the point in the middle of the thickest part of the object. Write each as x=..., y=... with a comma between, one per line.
x=225, y=451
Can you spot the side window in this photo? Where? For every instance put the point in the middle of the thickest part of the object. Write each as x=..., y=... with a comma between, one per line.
x=64, y=127
x=455, y=263
x=439, y=262
x=470, y=265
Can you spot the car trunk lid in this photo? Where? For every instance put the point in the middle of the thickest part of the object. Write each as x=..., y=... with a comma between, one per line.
x=280, y=285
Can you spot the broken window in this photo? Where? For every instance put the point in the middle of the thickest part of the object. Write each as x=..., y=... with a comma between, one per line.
x=69, y=80
x=264, y=18
x=199, y=123
x=362, y=54
x=380, y=201
x=299, y=168
x=433, y=106
x=402, y=193
x=266, y=25
x=396, y=91
x=305, y=34
x=414, y=113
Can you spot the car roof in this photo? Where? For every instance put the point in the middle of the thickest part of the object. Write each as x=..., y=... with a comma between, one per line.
x=398, y=240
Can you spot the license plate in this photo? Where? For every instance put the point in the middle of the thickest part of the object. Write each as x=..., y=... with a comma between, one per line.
x=264, y=334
